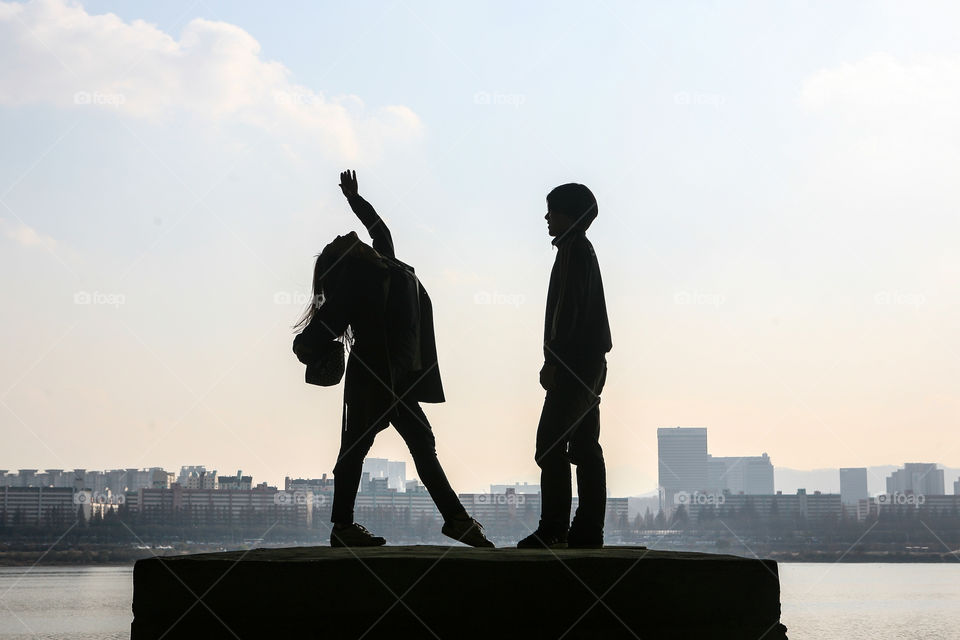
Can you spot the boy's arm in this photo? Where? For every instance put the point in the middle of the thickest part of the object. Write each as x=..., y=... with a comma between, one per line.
x=376, y=227
x=568, y=322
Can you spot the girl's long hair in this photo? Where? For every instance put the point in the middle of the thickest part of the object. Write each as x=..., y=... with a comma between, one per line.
x=316, y=296
x=329, y=269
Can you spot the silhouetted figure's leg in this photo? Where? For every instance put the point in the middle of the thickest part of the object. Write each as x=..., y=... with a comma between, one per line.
x=569, y=431
x=414, y=428
x=355, y=441
x=557, y=421
x=587, y=454
x=412, y=425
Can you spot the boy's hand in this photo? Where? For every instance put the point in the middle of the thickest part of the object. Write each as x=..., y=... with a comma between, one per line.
x=548, y=376
x=348, y=183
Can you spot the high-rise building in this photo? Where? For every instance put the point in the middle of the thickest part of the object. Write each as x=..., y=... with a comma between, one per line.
x=53, y=478
x=394, y=471
x=956, y=487
x=757, y=473
x=917, y=478
x=853, y=485
x=197, y=477
x=681, y=462
x=750, y=475
x=238, y=482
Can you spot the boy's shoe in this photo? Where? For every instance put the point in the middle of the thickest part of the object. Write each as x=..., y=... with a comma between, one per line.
x=466, y=530
x=578, y=540
x=354, y=535
x=543, y=540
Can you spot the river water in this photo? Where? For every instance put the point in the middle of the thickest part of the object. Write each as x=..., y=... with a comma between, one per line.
x=820, y=601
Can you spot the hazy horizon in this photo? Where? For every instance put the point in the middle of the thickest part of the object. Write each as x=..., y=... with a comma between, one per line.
x=776, y=230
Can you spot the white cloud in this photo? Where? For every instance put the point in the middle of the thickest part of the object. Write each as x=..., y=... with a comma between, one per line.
x=25, y=235
x=894, y=122
x=56, y=53
x=880, y=90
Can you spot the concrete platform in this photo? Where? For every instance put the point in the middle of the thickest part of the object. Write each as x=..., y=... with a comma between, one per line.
x=456, y=592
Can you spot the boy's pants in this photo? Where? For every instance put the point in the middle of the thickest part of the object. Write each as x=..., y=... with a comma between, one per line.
x=569, y=432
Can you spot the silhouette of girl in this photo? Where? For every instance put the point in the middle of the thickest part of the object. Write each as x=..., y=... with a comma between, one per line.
x=368, y=299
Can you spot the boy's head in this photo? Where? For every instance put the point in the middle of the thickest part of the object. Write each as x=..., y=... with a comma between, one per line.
x=570, y=206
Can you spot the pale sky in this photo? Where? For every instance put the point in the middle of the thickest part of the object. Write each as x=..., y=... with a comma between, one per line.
x=778, y=223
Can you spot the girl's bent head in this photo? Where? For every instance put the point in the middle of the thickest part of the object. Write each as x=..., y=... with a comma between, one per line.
x=341, y=256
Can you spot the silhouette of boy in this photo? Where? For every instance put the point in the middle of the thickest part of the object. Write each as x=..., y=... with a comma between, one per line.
x=576, y=339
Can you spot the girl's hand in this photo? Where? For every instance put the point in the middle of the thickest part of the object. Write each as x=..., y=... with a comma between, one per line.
x=348, y=183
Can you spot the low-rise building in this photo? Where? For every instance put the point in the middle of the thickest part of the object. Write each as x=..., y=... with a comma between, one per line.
x=39, y=506
x=238, y=482
x=766, y=507
x=223, y=506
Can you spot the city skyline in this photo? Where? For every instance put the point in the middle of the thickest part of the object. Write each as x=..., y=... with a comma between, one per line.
x=787, y=479
x=897, y=479
x=196, y=497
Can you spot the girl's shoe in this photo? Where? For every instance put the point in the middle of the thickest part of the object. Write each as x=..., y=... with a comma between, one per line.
x=466, y=530
x=354, y=535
